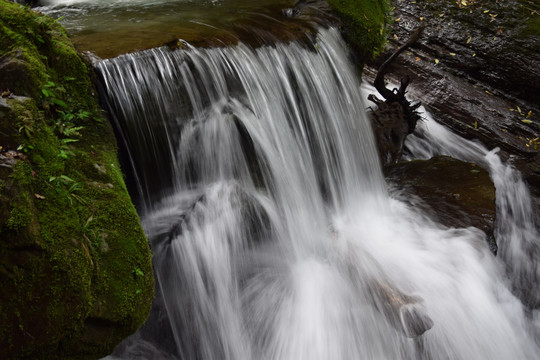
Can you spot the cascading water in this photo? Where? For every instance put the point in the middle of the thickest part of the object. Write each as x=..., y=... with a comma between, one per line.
x=272, y=230
x=516, y=229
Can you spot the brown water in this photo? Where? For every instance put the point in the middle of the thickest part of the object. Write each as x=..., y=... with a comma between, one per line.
x=110, y=28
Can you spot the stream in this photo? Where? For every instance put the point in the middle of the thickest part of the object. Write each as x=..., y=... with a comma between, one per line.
x=274, y=232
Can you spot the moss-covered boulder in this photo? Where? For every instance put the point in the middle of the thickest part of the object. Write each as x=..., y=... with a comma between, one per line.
x=75, y=265
x=363, y=24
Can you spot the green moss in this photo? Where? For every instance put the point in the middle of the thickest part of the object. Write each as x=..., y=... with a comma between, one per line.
x=79, y=231
x=363, y=23
x=19, y=218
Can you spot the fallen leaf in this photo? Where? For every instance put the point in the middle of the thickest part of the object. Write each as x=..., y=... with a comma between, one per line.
x=396, y=37
x=417, y=59
x=469, y=39
x=529, y=114
x=476, y=124
x=474, y=54
x=397, y=19
x=41, y=197
x=421, y=18
x=526, y=121
x=453, y=54
x=488, y=92
x=486, y=11
x=436, y=61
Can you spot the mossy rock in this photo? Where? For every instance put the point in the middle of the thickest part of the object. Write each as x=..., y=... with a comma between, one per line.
x=363, y=24
x=74, y=262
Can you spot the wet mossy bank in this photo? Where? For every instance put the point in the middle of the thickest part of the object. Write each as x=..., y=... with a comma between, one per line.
x=75, y=265
x=363, y=24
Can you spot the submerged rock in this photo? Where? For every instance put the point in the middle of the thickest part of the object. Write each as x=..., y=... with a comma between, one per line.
x=405, y=313
x=454, y=193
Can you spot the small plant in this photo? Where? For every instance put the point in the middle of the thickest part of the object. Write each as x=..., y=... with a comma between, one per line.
x=25, y=148
x=93, y=236
x=26, y=123
x=67, y=187
x=136, y=274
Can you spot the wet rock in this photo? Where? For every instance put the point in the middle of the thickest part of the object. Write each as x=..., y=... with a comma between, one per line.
x=476, y=70
x=492, y=42
x=454, y=193
x=406, y=313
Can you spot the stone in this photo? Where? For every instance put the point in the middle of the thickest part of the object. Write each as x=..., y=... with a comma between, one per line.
x=452, y=192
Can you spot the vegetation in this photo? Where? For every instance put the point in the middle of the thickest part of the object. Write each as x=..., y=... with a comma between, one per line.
x=363, y=24
x=74, y=262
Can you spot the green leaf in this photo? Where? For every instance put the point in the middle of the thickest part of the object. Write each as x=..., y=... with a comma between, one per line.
x=138, y=272
x=59, y=102
x=63, y=155
x=66, y=178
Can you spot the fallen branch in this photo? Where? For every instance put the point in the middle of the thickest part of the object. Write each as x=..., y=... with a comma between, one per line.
x=398, y=95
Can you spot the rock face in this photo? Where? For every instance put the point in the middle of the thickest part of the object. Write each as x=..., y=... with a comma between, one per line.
x=75, y=265
x=476, y=68
x=455, y=193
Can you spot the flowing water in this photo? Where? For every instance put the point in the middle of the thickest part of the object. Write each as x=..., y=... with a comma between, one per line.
x=273, y=232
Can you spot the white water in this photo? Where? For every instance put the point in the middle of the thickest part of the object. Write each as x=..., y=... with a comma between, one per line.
x=273, y=234
x=516, y=234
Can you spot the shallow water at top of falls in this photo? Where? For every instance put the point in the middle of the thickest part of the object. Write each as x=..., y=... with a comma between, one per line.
x=110, y=28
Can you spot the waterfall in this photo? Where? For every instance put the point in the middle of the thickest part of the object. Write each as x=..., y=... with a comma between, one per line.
x=273, y=233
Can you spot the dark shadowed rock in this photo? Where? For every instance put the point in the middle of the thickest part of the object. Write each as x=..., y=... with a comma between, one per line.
x=454, y=193
x=476, y=69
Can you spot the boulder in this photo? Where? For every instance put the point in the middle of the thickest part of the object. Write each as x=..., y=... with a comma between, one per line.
x=454, y=193
x=75, y=265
